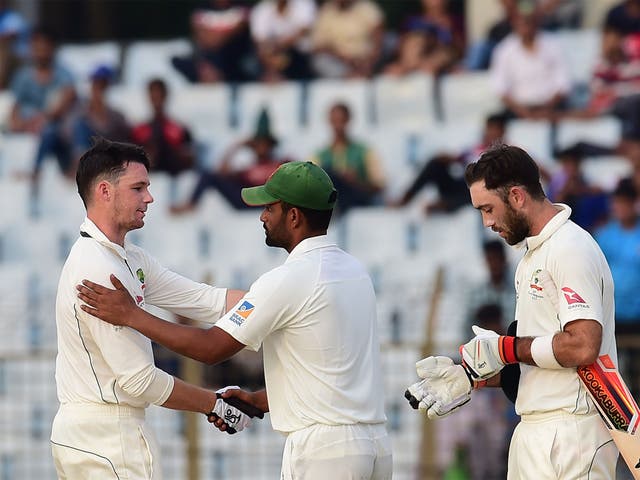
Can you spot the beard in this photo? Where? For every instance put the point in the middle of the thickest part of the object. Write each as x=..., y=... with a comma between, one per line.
x=516, y=227
x=277, y=236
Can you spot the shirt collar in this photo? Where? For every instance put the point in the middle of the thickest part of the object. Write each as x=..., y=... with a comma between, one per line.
x=94, y=232
x=550, y=228
x=308, y=244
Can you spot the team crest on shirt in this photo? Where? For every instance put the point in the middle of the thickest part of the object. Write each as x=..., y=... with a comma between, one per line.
x=140, y=275
x=535, y=287
x=242, y=313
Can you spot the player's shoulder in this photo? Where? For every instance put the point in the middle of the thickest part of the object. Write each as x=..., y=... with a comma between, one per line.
x=570, y=241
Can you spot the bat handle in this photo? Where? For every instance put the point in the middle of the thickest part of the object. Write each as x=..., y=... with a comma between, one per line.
x=246, y=408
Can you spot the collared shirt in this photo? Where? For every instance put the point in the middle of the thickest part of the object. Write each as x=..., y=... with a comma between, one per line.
x=315, y=317
x=530, y=77
x=101, y=363
x=583, y=290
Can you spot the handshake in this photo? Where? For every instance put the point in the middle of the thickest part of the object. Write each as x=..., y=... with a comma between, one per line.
x=446, y=386
x=231, y=414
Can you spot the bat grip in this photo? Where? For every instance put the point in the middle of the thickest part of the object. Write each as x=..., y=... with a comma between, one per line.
x=246, y=408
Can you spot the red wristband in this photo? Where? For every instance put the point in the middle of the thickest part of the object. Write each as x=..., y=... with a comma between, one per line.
x=507, y=349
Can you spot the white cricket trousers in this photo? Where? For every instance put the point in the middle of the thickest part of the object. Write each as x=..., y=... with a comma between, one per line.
x=559, y=445
x=341, y=452
x=90, y=441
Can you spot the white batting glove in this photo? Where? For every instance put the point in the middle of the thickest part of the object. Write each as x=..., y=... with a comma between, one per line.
x=487, y=353
x=235, y=419
x=444, y=388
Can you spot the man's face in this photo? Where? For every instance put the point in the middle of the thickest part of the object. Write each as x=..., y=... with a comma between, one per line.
x=131, y=197
x=497, y=215
x=338, y=119
x=157, y=98
x=274, y=221
x=42, y=50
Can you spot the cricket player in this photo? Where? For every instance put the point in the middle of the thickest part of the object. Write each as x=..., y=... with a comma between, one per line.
x=106, y=375
x=315, y=318
x=565, y=319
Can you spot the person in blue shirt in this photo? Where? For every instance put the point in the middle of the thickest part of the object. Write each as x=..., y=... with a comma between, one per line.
x=620, y=242
x=44, y=95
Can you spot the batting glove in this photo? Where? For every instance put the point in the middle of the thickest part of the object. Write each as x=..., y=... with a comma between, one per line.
x=444, y=388
x=235, y=419
x=487, y=353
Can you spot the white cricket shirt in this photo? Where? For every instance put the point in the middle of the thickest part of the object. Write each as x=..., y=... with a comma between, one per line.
x=101, y=363
x=315, y=317
x=584, y=290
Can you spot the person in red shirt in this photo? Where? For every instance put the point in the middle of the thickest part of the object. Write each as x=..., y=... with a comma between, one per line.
x=167, y=142
x=229, y=181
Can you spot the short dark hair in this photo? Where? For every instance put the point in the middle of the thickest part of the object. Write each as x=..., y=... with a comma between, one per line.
x=625, y=189
x=499, y=119
x=318, y=220
x=505, y=166
x=344, y=107
x=157, y=82
x=106, y=160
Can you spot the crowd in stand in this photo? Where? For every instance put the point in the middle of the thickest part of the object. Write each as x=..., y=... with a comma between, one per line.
x=278, y=40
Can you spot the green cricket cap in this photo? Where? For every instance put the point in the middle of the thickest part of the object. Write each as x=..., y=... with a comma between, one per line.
x=302, y=184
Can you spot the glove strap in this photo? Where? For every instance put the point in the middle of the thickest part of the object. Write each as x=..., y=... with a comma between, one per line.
x=479, y=384
x=507, y=349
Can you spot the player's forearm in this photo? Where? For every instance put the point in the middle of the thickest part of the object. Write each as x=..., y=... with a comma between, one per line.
x=191, y=398
x=186, y=340
x=570, y=348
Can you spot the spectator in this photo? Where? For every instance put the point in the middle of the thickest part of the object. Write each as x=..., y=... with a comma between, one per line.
x=615, y=90
x=447, y=30
x=569, y=186
x=445, y=171
x=347, y=38
x=624, y=17
x=229, y=181
x=528, y=72
x=353, y=167
x=168, y=143
x=14, y=42
x=419, y=51
x=95, y=118
x=496, y=289
x=620, y=242
x=280, y=30
x=44, y=96
x=221, y=40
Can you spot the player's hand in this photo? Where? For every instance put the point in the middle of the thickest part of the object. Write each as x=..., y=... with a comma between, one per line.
x=114, y=306
x=227, y=418
x=444, y=388
x=487, y=353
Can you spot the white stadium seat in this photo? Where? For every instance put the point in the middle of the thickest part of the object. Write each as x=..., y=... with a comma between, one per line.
x=82, y=59
x=144, y=60
x=404, y=101
x=283, y=101
x=468, y=97
x=603, y=131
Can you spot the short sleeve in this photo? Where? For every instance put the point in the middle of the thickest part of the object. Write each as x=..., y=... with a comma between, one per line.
x=576, y=271
x=267, y=307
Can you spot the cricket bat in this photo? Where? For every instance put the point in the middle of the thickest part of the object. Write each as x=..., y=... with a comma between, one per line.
x=616, y=406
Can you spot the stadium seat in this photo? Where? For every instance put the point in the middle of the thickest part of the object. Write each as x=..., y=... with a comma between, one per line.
x=82, y=59
x=204, y=108
x=404, y=101
x=17, y=153
x=603, y=131
x=322, y=94
x=606, y=172
x=467, y=97
x=144, y=60
x=283, y=101
x=581, y=50
x=533, y=136
x=132, y=101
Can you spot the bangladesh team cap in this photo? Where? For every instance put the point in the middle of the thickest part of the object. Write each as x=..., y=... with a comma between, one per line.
x=302, y=184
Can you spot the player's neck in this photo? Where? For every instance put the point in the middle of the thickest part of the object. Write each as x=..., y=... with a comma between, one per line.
x=106, y=226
